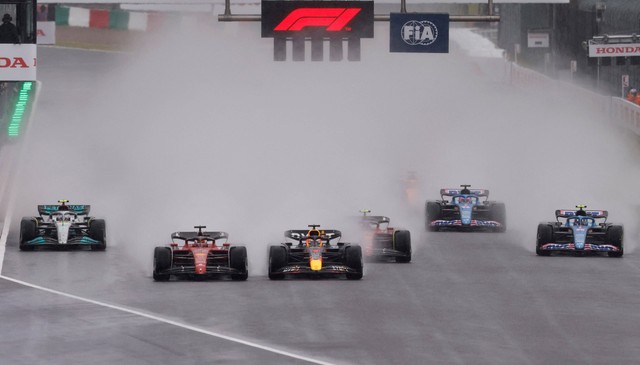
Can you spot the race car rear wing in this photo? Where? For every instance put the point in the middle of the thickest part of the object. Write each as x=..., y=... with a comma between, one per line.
x=213, y=235
x=301, y=234
x=77, y=209
x=565, y=213
x=376, y=219
x=454, y=192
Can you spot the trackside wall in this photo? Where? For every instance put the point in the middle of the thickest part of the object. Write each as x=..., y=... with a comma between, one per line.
x=620, y=111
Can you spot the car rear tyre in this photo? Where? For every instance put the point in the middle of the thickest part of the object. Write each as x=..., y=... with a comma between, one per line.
x=277, y=259
x=614, y=237
x=98, y=232
x=161, y=262
x=545, y=235
x=402, y=243
x=353, y=259
x=238, y=261
x=433, y=213
x=28, y=231
x=499, y=214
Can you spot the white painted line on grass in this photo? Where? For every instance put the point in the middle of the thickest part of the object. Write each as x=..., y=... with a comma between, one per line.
x=171, y=322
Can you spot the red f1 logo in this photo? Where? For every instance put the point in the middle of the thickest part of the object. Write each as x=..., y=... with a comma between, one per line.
x=334, y=19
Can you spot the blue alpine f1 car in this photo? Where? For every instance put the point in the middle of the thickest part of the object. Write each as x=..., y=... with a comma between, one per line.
x=466, y=211
x=580, y=231
x=62, y=226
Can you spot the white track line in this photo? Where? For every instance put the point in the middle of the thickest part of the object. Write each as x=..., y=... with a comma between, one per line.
x=3, y=238
x=7, y=221
x=168, y=321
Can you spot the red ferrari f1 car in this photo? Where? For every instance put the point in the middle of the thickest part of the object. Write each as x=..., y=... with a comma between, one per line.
x=383, y=242
x=197, y=255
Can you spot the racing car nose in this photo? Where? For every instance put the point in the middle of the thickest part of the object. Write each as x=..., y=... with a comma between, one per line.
x=201, y=268
x=579, y=238
x=465, y=216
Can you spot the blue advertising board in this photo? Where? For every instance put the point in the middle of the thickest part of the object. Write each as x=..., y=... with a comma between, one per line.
x=419, y=32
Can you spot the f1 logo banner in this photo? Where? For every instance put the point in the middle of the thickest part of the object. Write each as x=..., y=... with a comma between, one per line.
x=287, y=18
x=419, y=32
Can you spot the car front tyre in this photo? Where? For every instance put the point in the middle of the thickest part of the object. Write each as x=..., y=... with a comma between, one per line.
x=402, y=243
x=98, y=232
x=161, y=262
x=544, y=236
x=614, y=237
x=238, y=261
x=353, y=259
x=28, y=231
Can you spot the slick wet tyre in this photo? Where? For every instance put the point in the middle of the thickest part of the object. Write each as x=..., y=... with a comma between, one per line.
x=402, y=243
x=544, y=236
x=614, y=237
x=353, y=259
x=98, y=232
x=161, y=262
x=277, y=260
x=28, y=231
x=238, y=261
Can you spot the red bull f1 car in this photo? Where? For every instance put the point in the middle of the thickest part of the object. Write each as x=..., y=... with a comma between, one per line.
x=466, y=211
x=199, y=255
x=311, y=252
x=580, y=231
x=63, y=226
x=383, y=242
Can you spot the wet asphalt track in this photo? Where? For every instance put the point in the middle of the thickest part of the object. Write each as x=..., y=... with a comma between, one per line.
x=467, y=298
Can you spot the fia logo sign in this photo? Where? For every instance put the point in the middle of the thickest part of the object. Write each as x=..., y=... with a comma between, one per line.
x=421, y=33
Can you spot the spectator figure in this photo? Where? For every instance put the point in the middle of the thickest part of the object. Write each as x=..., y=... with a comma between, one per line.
x=632, y=94
x=8, y=31
x=43, y=13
